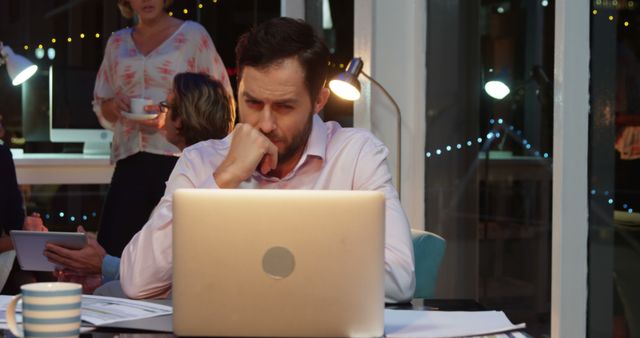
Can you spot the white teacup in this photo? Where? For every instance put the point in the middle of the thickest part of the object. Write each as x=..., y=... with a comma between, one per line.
x=48, y=310
x=137, y=105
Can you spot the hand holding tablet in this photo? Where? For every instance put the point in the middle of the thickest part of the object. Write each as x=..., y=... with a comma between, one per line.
x=30, y=246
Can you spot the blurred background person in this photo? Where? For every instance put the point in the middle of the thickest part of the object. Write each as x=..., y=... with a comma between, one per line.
x=12, y=217
x=140, y=62
x=198, y=108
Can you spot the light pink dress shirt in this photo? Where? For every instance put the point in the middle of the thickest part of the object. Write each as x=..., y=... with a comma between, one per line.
x=124, y=70
x=335, y=158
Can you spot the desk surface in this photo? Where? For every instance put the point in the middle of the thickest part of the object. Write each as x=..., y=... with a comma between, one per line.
x=441, y=304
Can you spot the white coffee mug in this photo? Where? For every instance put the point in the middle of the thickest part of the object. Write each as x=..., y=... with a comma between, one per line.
x=48, y=310
x=137, y=105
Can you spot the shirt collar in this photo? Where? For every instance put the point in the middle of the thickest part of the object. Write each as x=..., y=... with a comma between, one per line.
x=317, y=143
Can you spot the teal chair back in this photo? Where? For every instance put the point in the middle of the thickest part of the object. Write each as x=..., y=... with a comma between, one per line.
x=428, y=251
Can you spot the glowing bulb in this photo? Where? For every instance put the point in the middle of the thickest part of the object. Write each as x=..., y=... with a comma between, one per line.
x=51, y=53
x=185, y=11
x=595, y=11
x=344, y=90
x=81, y=35
x=53, y=40
x=200, y=6
x=170, y=13
x=497, y=89
x=626, y=23
x=610, y=17
x=24, y=75
x=39, y=53
x=40, y=46
x=26, y=47
x=69, y=39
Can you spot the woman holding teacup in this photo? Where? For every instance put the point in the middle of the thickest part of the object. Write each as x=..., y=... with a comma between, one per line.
x=137, y=70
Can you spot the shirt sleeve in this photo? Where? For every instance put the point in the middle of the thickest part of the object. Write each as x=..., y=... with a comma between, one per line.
x=209, y=61
x=372, y=173
x=11, y=208
x=146, y=263
x=110, y=269
x=105, y=86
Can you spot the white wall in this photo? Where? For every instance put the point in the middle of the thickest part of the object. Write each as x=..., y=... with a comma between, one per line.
x=390, y=37
x=292, y=8
x=570, y=150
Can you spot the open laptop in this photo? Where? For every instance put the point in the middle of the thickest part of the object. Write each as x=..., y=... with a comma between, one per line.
x=278, y=263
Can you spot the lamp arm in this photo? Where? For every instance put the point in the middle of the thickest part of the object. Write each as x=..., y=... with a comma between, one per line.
x=398, y=129
x=395, y=104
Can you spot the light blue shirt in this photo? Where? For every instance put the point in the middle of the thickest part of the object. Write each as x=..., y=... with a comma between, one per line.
x=110, y=268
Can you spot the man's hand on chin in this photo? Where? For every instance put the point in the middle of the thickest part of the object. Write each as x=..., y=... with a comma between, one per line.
x=249, y=150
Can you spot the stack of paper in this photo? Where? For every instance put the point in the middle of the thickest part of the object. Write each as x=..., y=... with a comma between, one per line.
x=445, y=324
x=99, y=310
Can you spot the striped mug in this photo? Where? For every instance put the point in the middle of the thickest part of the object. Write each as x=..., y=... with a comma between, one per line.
x=48, y=310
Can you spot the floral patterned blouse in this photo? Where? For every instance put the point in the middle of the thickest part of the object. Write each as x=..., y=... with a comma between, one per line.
x=125, y=70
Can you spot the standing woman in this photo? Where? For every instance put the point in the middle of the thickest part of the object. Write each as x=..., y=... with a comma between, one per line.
x=140, y=62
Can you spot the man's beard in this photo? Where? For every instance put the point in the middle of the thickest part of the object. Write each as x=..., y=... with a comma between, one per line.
x=298, y=142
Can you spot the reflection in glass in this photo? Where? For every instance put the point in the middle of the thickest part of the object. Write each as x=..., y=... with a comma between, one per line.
x=488, y=158
x=614, y=165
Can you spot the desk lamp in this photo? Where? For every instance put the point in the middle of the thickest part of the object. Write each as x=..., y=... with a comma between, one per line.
x=20, y=68
x=347, y=86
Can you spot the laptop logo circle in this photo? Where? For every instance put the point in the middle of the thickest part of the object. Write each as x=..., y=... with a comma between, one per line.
x=278, y=262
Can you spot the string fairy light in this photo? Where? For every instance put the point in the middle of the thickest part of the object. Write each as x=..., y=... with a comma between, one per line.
x=494, y=135
x=69, y=39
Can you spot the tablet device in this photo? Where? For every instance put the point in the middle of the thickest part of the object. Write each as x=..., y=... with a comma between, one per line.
x=30, y=245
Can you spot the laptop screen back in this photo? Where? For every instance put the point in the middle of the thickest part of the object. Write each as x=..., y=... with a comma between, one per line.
x=289, y=263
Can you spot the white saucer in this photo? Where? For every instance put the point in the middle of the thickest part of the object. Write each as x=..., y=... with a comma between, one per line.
x=148, y=116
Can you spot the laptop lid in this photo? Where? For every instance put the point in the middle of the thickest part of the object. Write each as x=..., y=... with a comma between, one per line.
x=281, y=263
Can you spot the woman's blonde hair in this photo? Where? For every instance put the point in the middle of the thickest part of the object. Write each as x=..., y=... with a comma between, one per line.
x=127, y=12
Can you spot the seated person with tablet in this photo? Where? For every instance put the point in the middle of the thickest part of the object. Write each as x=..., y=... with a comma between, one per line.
x=281, y=143
x=199, y=108
x=12, y=217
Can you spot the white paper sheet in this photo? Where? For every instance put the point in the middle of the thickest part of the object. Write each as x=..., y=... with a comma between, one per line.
x=99, y=310
x=445, y=324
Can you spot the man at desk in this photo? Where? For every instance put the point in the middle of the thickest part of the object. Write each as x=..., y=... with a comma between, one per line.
x=280, y=143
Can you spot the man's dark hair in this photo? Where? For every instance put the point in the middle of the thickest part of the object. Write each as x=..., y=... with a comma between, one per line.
x=204, y=107
x=282, y=38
